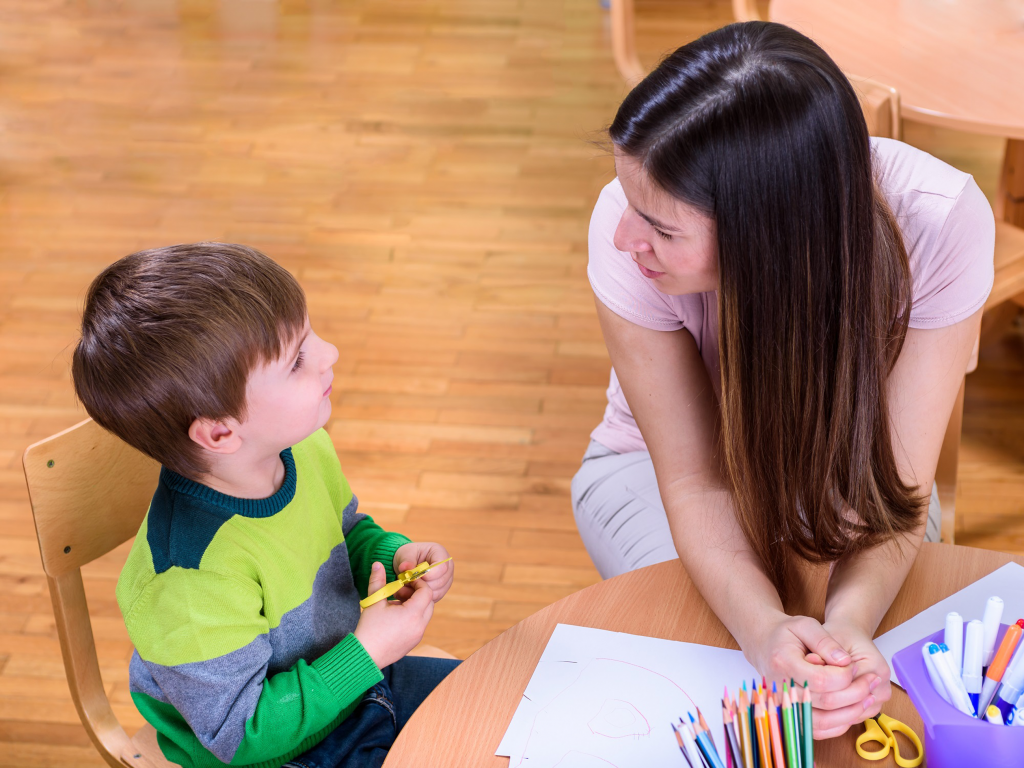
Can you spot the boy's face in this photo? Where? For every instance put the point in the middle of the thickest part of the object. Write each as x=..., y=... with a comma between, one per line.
x=288, y=399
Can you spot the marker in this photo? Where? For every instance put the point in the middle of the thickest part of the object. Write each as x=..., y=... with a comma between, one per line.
x=972, y=660
x=1013, y=681
x=947, y=658
x=956, y=698
x=993, y=715
x=996, y=670
x=954, y=638
x=993, y=615
x=705, y=743
x=933, y=673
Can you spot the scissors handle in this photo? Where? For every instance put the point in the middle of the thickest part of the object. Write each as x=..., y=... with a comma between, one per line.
x=393, y=586
x=895, y=726
x=873, y=733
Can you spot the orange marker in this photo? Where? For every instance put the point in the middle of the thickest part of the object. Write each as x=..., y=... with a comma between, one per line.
x=994, y=675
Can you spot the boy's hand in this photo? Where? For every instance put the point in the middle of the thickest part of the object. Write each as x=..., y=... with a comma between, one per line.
x=437, y=579
x=390, y=629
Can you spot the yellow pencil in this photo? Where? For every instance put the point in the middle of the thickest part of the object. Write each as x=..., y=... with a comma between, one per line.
x=747, y=747
x=761, y=725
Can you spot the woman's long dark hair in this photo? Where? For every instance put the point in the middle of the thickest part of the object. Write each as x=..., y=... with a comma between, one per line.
x=756, y=126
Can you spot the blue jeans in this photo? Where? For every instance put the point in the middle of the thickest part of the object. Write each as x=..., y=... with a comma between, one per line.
x=364, y=737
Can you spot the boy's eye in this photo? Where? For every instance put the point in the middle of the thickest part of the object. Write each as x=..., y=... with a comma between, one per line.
x=663, y=234
x=298, y=362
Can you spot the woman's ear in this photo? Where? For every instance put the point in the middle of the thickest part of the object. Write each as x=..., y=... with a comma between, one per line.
x=216, y=436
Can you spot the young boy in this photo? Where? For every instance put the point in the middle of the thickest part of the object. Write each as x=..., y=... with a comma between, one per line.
x=241, y=591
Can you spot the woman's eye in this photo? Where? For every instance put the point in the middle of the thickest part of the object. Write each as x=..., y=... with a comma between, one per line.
x=298, y=362
x=662, y=234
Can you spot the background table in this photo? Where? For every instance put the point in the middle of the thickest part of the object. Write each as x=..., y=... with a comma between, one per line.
x=956, y=63
x=463, y=720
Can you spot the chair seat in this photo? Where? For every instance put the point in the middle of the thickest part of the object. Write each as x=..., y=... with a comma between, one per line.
x=144, y=752
x=1009, y=262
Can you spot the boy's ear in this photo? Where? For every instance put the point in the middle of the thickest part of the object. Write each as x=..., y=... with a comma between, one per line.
x=216, y=436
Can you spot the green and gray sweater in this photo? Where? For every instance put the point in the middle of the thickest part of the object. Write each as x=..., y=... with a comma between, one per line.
x=241, y=612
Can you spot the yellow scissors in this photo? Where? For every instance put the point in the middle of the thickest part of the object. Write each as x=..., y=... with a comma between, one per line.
x=393, y=586
x=884, y=732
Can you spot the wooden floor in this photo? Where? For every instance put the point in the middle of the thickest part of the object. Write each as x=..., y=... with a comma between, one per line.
x=426, y=169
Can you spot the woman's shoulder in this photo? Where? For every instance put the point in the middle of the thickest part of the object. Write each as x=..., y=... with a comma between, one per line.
x=948, y=230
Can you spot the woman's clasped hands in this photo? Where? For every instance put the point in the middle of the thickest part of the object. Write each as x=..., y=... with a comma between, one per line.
x=847, y=676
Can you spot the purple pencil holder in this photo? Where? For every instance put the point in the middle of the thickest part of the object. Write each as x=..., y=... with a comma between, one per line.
x=951, y=738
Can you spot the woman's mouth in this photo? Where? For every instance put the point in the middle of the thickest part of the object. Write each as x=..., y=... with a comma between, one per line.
x=648, y=273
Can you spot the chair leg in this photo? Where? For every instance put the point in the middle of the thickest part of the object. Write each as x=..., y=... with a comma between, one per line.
x=946, y=470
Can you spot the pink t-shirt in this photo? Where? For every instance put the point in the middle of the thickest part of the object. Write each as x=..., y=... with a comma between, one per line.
x=947, y=226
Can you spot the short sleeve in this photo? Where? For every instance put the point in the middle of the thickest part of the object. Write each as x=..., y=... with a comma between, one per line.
x=952, y=266
x=613, y=275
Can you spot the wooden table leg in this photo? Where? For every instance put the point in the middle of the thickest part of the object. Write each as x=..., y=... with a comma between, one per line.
x=1010, y=196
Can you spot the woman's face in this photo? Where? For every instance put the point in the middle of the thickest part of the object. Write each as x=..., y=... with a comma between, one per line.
x=673, y=244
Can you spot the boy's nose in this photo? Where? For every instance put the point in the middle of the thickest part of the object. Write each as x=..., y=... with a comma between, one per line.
x=331, y=357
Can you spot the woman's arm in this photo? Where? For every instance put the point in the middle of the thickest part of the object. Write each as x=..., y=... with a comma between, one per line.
x=671, y=397
x=922, y=390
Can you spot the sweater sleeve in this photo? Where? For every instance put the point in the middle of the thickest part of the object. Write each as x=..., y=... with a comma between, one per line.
x=212, y=671
x=369, y=543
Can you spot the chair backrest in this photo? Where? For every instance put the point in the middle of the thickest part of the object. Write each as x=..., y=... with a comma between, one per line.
x=880, y=105
x=89, y=492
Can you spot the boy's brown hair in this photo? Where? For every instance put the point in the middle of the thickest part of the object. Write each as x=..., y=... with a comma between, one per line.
x=171, y=334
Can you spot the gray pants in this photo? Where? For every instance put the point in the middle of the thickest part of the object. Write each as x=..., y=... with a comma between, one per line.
x=621, y=518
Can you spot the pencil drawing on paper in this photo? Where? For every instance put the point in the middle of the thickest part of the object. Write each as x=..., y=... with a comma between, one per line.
x=595, y=729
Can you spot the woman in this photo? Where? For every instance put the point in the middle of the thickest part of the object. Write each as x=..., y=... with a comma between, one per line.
x=789, y=307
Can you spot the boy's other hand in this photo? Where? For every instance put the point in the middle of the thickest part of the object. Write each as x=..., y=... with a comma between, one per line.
x=389, y=629
x=439, y=579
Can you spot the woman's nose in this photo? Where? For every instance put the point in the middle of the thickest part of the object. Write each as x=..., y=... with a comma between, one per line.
x=629, y=236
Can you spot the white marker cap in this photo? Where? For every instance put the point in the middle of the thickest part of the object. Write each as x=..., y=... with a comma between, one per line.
x=1013, y=679
x=972, y=656
x=990, y=621
x=954, y=639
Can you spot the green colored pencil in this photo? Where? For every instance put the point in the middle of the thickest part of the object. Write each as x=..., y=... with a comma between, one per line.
x=808, y=730
x=787, y=728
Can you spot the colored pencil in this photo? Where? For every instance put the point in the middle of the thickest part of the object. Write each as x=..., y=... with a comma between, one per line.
x=679, y=741
x=705, y=743
x=747, y=746
x=704, y=725
x=732, y=745
x=692, y=750
x=798, y=734
x=763, y=739
x=787, y=727
x=808, y=750
x=775, y=733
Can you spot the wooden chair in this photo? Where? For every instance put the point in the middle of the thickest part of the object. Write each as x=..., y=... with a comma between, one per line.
x=89, y=492
x=623, y=14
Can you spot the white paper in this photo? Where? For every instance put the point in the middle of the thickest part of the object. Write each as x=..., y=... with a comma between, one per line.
x=969, y=602
x=600, y=698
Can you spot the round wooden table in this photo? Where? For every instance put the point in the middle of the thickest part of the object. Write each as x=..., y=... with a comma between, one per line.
x=956, y=63
x=462, y=721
